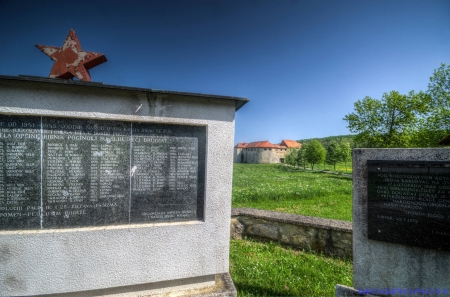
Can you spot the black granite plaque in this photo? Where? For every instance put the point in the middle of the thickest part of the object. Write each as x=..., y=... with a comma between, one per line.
x=20, y=174
x=85, y=172
x=61, y=172
x=168, y=172
x=409, y=203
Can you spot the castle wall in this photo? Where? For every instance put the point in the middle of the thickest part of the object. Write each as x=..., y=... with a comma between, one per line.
x=238, y=155
x=262, y=155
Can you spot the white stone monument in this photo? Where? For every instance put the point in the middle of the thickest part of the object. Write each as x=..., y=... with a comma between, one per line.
x=401, y=222
x=113, y=191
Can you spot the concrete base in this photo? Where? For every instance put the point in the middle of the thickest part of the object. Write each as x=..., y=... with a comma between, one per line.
x=219, y=285
x=345, y=291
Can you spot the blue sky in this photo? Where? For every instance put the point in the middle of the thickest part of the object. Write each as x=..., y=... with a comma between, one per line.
x=302, y=64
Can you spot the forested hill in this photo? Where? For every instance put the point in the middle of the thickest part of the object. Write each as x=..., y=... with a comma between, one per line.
x=327, y=140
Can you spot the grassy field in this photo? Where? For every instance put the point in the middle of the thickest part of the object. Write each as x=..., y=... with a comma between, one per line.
x=287, y=189
x=340, y=168
x=268, y=269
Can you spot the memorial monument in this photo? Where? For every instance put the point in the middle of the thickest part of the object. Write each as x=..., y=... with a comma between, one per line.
x=401, y=222
x=113, y=191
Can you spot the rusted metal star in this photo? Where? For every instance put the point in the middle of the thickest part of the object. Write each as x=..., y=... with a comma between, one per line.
x=70, y=60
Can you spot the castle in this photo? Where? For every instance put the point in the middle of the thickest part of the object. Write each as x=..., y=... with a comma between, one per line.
x=263, y=151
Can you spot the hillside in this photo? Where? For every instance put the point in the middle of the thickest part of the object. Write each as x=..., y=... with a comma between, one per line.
x=327, y=140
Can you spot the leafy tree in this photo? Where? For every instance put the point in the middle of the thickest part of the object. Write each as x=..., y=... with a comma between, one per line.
x=439, y=87
x=290, y=158
x=389, y=122
x=326, y=141
x=333, y=154
x=300, y=158
x=315, y=153
x=346, y=152
x=295, y=157
x=437, y=123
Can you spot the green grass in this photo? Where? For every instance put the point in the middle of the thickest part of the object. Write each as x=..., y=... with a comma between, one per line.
x=268, y=269
x=340, y=167
x=287, y=189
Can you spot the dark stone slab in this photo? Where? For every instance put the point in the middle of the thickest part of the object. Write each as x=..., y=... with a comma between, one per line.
x=85, y=172
x=79, y=172
x=168, y=165
x=409, y=203
x=20, y=173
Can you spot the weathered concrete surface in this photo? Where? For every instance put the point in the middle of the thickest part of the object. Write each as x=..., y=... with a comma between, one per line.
x=379, y=264
x=345, y=291
x=49, y=261
x=327, y=236
x=219, y=285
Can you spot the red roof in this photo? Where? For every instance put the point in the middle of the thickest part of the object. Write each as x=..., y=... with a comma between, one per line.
x=290, y=143
x=267, y=144
x=262, y=144
x=241, y=145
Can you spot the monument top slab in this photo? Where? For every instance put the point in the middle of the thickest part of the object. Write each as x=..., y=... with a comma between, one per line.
x=239, y=101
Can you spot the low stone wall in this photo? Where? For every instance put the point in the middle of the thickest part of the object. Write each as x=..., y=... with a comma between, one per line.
x=331, y=237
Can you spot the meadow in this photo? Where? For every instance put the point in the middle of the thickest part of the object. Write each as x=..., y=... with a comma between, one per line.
x=270, y=269
x=285, y=188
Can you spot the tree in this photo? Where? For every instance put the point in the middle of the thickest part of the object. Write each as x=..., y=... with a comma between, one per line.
x=333, y=154
x=346, y=152
x=315, y=153
x=439, y=87
x=389, y=122
x=300, y=158
x=295, y=157
x=437, y=123
x=290, y=158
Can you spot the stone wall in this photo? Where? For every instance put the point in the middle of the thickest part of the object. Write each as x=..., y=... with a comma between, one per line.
x=238, y=155
x=259, y=155
x=331, y=237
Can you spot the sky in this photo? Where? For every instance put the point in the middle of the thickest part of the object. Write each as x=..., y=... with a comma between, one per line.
x=303, y=64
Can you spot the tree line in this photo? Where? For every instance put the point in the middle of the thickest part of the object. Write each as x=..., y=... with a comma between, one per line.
x=326, y=141
x=416, y=119
x=313, y=152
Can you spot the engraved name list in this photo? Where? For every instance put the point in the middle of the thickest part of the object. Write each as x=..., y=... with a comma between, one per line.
x=409, y=203
x=61, y=172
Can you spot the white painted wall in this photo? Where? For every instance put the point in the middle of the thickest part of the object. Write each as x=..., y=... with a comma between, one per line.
x=67, y=260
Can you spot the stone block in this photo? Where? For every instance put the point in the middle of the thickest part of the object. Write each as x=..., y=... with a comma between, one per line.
x=380, y=264
x=264, y=230
x=315, y=234
x=237, y=229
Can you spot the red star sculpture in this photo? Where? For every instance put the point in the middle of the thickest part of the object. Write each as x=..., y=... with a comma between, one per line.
x=70, y=60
